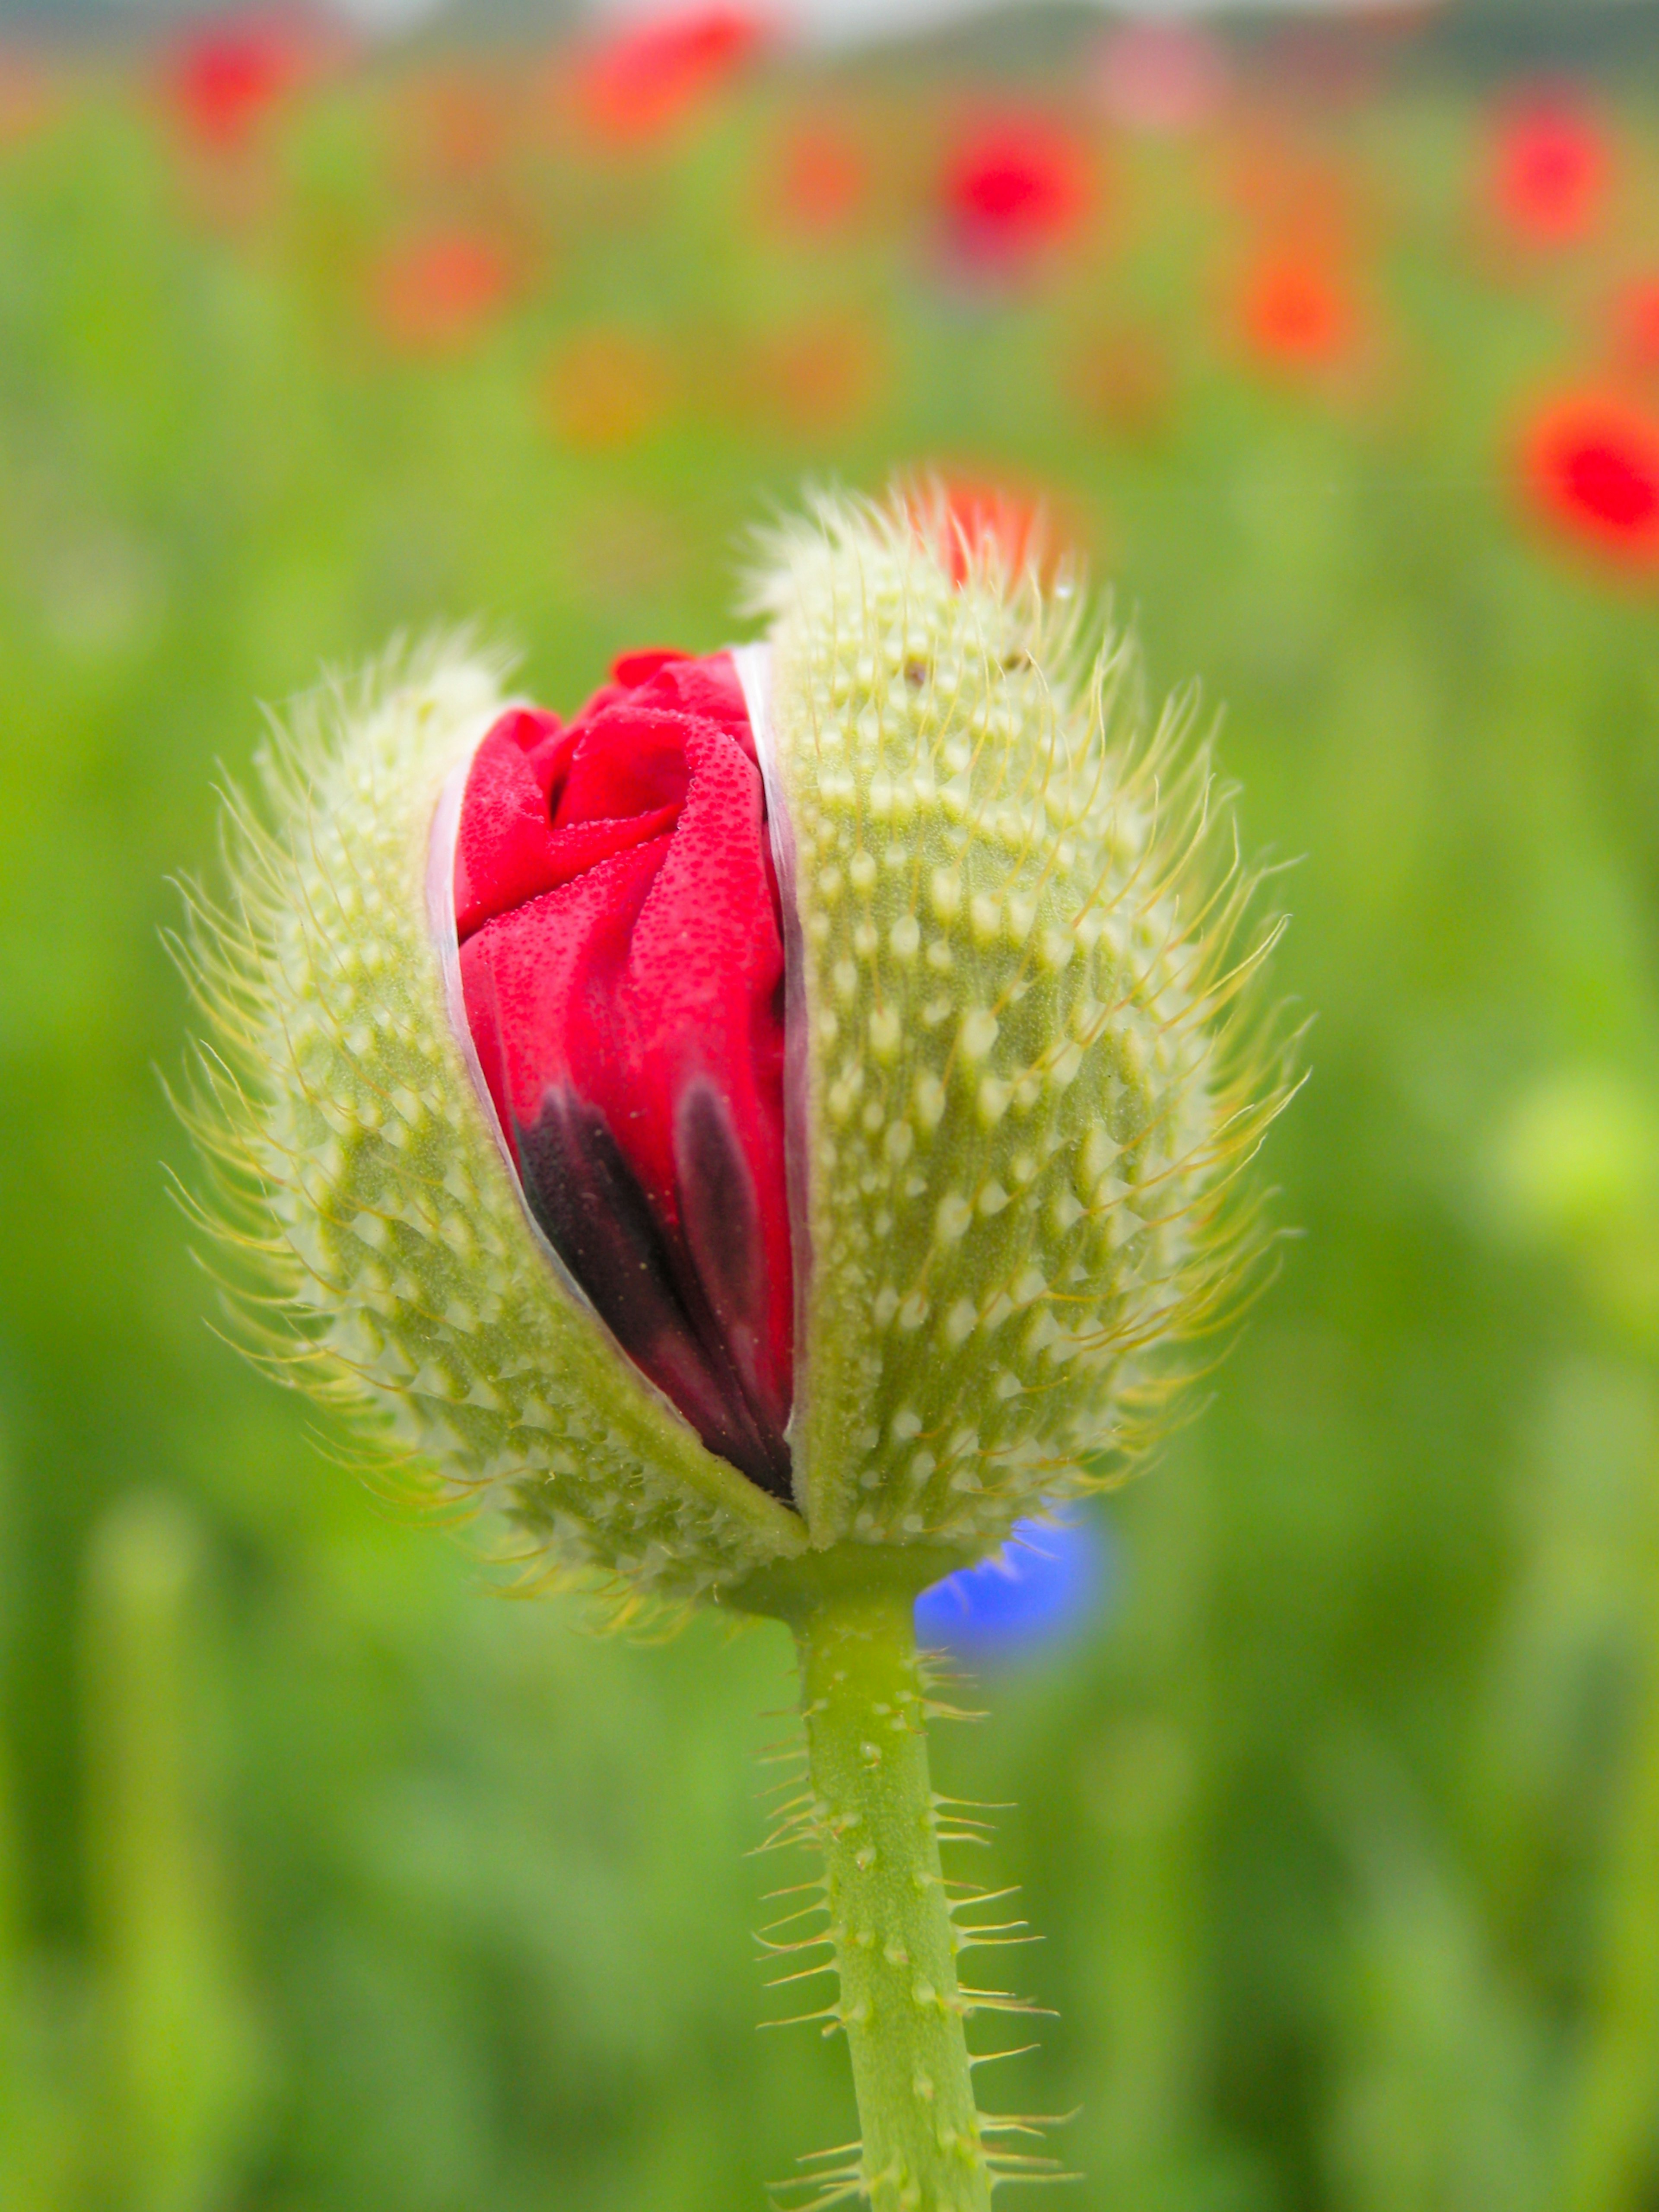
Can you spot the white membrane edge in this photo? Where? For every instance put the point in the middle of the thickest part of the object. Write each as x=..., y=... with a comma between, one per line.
x=754, y=664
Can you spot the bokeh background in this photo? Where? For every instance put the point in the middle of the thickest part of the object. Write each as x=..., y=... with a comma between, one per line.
x=332, y=1881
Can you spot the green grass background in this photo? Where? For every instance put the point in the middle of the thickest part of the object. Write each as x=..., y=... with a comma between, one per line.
x=330, y=1882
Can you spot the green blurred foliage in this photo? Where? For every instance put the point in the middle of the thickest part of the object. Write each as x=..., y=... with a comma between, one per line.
x=328, y=1879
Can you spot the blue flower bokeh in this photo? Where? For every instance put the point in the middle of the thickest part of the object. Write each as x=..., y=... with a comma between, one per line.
x=1048, y=1583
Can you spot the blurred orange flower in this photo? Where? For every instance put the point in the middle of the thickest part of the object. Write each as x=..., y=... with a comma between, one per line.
x=1590, y=467
x=1289, y=190
x=1015, y=185
x=822, y=178
x=816, y=378
x=607, y=388
x=1551, y=169
x=1296, y=311
x=25, y=98
x=435, y=290
x=647, y=77
x=1635, y=327
x=455, y=123
x=1122, y=381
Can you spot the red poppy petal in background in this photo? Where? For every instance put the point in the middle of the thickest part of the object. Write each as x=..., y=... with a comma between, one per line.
x=1590, y=467
x=1551, y=168
x=225, y=79
x=647, y=77
x=964, y=518
x=1013, y=185
x=436, y=290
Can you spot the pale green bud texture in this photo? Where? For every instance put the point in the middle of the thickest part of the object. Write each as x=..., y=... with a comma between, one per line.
x=1016, y=1107
x=1017, y=1110
x=358, y=1164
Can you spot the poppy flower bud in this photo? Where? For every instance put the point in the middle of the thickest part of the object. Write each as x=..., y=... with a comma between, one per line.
x=622, y=964
x=784, y=1107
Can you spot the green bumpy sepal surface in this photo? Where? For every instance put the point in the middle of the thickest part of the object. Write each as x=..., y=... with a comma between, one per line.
x=387, y=1262
x=1025, y=1092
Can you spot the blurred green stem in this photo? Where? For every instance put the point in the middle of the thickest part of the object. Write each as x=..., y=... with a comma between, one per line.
x=185, y=2066
x=1608, y=2134
x=873, y=1811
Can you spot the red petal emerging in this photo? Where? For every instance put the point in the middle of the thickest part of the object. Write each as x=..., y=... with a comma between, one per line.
x=622, y=960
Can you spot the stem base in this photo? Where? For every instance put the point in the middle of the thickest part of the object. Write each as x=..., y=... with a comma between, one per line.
x=874, y=1814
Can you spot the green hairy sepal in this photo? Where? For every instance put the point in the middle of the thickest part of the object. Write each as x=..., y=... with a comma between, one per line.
x=1027, y=1089
x=386, y=1260
x=1020, y=1088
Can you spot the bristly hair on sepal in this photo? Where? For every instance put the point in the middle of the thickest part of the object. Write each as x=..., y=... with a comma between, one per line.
x=1038, y=1063
x=1026, y=1068
x=371, y=1241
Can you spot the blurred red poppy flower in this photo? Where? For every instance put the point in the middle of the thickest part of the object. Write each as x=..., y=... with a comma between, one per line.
x=436, y=290
x=647, y=77
x=1590, y=467
x=225, y=79
x=1551, y=168
x=1014, y=186
x=621, y=963
x=1296, y=311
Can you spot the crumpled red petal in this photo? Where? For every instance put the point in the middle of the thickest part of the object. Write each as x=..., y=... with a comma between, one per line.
x=622, y=964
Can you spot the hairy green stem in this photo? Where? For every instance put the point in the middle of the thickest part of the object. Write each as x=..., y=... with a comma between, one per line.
x=874, y=1813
